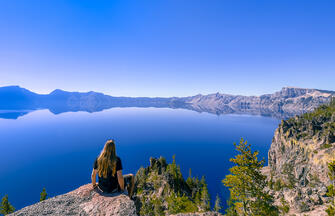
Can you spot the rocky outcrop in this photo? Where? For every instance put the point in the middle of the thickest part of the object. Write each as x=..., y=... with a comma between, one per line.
x=160, y=189
x=301, y=148
x=83, y=201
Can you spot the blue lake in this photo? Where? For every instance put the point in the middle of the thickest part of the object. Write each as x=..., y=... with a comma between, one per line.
x=41, y=149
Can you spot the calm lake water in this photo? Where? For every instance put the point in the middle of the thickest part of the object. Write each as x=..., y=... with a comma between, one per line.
x=41, y=149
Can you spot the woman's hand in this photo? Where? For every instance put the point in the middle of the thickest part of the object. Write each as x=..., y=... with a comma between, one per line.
x=93, y=178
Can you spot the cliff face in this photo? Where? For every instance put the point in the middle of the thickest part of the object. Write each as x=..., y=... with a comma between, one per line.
x=301, y=148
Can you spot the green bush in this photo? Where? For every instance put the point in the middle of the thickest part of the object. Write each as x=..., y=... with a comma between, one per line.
x=278, y=185
x=5, y=206
x=180, y=204
x=43, y=195
x=317, y=123
x=284, y=207
x=326, y=145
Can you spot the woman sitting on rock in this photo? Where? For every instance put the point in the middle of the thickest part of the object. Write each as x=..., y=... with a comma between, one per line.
x=109, y=169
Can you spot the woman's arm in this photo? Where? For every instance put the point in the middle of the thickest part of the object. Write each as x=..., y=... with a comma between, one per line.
x=93, y=177
x=120, y=179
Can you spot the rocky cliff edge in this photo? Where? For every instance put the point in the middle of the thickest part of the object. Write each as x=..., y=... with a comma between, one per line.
x=300, y=151
x=83, y=201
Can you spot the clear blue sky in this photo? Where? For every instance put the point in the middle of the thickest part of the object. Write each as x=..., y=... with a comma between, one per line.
x=167, y=48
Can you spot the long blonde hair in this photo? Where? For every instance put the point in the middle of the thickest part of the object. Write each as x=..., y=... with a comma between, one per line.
x=107, y=159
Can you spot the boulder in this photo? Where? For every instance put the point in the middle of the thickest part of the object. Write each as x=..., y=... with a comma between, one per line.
x=83, y=201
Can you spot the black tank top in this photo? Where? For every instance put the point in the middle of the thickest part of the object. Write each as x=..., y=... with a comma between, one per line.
x=109, y=184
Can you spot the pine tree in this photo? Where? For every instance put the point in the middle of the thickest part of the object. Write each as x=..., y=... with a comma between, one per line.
x=174, y=169
x=6, y=207
x=217, y=206
x=174, y=164
x=197, y=199
x=192, y=184
x=43, y=195
x=246, y=184
x=331, y=188
x=205, y=199
x=189, y=179
x=231, y=211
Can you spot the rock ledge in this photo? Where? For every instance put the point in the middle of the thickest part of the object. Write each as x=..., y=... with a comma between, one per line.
x=83, y=201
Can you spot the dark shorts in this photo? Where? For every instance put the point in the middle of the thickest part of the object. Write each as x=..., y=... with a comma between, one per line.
x=127, y=183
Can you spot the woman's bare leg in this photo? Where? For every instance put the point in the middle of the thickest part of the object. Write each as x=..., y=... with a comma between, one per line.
x=130, y=186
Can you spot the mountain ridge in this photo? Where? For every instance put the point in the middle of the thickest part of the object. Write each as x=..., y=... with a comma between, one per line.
x=199, y=94
x=287, y=102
